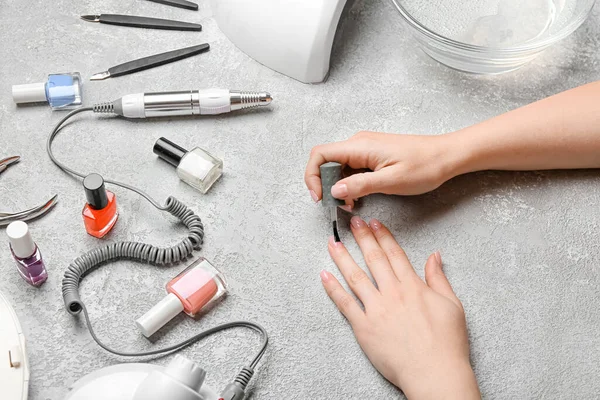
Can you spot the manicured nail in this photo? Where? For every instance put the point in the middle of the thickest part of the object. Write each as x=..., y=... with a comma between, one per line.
x=314, y=196
x=339, y=191
x=375, y=224
x=347, y=208
x=325, y=276
x=438, y=258
x=357, y=222
x=333, y=243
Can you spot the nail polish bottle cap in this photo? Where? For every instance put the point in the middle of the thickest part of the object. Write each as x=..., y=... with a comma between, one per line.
x=169, y=151
x=21, y=242
x=95, y=192
x=29, y=93
x=159, y=315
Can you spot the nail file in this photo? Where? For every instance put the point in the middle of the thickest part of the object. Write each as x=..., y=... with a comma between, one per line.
x=142, y=22
x=331, y=173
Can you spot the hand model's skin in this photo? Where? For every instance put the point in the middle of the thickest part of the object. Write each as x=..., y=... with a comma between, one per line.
x=413, y=332
x=560, y=132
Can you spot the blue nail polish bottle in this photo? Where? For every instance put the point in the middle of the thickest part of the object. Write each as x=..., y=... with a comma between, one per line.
x=61, y=91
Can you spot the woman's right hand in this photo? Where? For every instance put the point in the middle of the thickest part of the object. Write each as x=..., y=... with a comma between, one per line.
x=398, y=164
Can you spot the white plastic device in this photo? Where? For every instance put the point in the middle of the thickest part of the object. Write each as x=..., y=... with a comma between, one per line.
x=136, y=381
x=293, y=37
x=14, y=367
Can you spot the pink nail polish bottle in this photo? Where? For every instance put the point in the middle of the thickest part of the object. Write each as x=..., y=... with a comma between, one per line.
x=193, y=290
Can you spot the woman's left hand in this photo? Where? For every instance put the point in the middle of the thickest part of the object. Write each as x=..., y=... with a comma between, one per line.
x=413, y=332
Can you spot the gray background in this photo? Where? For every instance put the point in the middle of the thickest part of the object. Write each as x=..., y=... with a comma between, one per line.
x=521, y=249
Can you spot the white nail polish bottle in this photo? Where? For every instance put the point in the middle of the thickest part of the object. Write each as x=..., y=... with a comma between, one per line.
x=198, y=168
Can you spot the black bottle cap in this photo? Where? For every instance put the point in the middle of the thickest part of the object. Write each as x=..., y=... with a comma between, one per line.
x=169, y=151
x=95, y=192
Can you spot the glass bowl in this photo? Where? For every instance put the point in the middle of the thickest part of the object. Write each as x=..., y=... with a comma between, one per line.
x=490, y=36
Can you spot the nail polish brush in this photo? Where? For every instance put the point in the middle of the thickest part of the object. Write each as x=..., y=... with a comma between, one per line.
x=331, y=173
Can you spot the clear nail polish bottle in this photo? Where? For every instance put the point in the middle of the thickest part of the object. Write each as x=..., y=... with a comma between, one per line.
x=100, y=212
x=61, y=91
x=26, y=254
x=193, y=290
x=198, y=168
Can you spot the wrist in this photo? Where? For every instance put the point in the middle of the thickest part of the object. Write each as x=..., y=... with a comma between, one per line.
x=458, y=156
x=451, y=382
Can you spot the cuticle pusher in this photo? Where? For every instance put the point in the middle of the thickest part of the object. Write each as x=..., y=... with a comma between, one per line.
x=150, y=62
x=188, y=5
x=142, y=22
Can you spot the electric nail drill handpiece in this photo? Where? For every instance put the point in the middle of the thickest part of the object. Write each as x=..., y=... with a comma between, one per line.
x=331, y=173
x=189, y=102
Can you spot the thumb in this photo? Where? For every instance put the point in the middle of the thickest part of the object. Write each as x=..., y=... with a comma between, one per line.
x=362, y=184
x=436, y=279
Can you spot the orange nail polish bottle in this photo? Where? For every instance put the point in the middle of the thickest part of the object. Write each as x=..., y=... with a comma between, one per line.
x=100, y=212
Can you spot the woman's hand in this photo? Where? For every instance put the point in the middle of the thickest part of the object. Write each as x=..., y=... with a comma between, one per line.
x=400, y=164
x=413, y=332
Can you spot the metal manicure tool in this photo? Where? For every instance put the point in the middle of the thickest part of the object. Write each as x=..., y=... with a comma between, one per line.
x=331, y=173
x=142, y=22
x=35, y=212
x=188, y=5
x=151, y=62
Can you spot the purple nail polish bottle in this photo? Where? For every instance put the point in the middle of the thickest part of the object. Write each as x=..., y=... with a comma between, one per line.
x=26, y=253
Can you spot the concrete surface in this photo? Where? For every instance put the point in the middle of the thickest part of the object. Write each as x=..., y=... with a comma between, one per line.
x=521, y=249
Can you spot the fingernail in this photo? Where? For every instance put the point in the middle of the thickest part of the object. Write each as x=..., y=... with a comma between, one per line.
x=314, y=196
x=375, y=224
x=324, y=276
x=333, y=243
x=438, y=258
x=347, y=208
x=357, y=222
x=339, y=191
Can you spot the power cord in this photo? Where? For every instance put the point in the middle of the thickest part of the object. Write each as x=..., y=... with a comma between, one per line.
x=144, y=252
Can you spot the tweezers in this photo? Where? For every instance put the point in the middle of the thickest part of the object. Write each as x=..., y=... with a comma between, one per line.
x=188, y=5
x=35, y=212
x=151, y=62
x=142, y=22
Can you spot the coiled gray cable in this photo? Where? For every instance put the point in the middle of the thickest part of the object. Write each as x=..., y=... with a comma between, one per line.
x=141, y=252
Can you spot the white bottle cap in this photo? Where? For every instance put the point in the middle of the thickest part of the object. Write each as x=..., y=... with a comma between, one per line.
x=20, y=239
x=29, y=93
x=159, y=315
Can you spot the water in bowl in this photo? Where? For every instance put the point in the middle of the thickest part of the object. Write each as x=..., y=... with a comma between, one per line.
x=497, y=23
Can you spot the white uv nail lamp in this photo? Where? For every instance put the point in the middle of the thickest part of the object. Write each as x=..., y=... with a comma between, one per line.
x=14, y=369
x=293, y=37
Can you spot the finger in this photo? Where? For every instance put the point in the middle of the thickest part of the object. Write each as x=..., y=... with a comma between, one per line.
x=436, y=279
x=349, y=207
x=357, y=279
x=375, y=257
x=359, y=185
x=401, y=266
x=342, y=299
x=348, y=152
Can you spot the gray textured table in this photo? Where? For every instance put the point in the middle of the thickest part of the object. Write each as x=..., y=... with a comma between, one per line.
x=521, y=249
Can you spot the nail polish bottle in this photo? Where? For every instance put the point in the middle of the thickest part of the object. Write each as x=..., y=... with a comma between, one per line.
x=100, y=212
x=61, y=91
x=193, y=290
x=26, y=253
x=198, y=168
